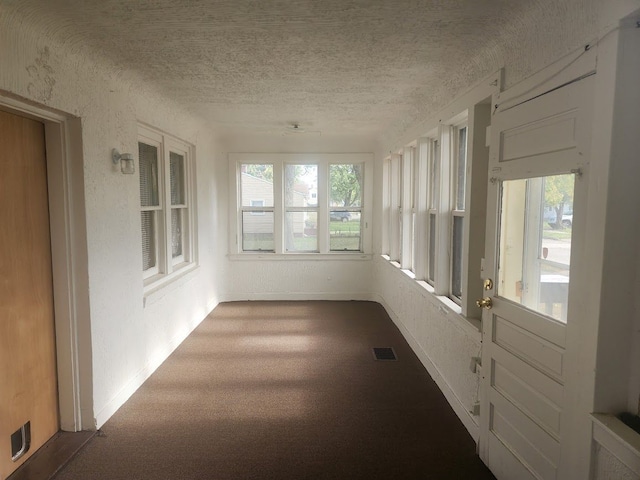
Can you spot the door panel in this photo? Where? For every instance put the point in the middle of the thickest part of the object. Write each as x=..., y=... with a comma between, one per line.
x=536, y=149
x=28, y=382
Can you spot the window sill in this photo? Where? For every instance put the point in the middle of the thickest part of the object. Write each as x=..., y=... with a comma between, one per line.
x=296, y=257
x=446, y=306
x=158, y=283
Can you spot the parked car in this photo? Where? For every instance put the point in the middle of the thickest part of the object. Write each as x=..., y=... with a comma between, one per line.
x=550, y=217
x=567, y=220
x=340, y=216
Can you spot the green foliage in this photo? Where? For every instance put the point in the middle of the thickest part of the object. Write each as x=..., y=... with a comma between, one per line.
x=346, y=185
x=263, y=171
x=558, y=193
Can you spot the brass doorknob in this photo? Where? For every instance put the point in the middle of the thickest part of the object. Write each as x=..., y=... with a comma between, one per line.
x=485, y=302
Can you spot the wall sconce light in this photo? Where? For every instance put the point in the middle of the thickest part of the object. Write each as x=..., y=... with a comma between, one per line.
x=126, y=161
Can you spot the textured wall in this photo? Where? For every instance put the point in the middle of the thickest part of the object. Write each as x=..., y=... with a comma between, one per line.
x=608, y=467
x=441, y=339
x=127, y=338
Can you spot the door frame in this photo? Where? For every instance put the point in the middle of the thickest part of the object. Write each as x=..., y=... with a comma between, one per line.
x=65, y=179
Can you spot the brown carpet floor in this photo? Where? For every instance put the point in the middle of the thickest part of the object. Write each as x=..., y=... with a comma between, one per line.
x=285, y=390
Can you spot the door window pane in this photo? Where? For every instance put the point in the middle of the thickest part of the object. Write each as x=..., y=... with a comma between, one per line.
x=534, y=257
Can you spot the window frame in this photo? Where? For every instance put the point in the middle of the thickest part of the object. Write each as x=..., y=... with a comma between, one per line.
x=322, y=206
x=168, y=267
x=455, y=212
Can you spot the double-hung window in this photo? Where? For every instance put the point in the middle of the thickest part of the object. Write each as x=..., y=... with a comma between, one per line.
x=166, y=206
x=301, y=213
x=256, y=207
x=301, y=203
x=432, y=210
x=459, y=183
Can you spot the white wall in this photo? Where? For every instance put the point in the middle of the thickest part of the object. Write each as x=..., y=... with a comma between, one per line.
x=128, y=338
x=335, y=278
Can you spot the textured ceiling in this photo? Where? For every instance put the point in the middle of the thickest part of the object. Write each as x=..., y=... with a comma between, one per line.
x=338, y=66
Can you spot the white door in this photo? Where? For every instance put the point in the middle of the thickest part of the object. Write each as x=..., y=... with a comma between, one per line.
x=538, y=151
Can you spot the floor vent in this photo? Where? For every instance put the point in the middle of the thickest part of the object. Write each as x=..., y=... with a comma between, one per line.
x=384, y=353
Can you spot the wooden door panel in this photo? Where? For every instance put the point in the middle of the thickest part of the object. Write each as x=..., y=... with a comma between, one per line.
x=28, y=378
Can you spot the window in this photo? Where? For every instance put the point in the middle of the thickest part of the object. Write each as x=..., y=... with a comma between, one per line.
x=535, y=259
x=459, y=175
x=433, y=191
x=309, y=203
x=345, y=207
x=301, y=215
x=166, y=206
x=256, y=180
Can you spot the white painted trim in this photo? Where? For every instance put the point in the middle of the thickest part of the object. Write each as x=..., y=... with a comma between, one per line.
x=288, y=257
x=298, y=296
x=621, y=441
x=465, y=416
x=69, y=261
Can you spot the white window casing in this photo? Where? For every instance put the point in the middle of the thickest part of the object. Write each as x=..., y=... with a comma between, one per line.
x=167, y=197
x=312, y=215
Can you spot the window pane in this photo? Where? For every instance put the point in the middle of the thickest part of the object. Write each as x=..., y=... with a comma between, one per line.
x=149, y=258
x=345, y=185
x=344, y=231
x=456, y=259
x=534, y=265
x=299, y=182
x=256, y=182
x=148, y=160
x=176, y=177
x=461, y=168
x=432, y=246
x=301, y=231
x=434, y=173
x=176, y=232
x=257, y=231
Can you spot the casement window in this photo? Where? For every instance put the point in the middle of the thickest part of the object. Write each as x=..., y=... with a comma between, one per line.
x=167, y=214
x=310, y=204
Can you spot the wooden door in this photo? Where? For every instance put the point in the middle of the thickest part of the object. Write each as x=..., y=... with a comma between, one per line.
x=28, y=382
x=537, y=149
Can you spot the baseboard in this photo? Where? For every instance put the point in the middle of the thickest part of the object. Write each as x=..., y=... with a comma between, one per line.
x=144, y=373
x=463, y=414
x=296, y=296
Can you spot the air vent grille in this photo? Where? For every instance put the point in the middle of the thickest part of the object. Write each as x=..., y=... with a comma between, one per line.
x=384, y=353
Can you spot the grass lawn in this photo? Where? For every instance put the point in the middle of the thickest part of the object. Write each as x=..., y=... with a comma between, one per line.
x=343, y=236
